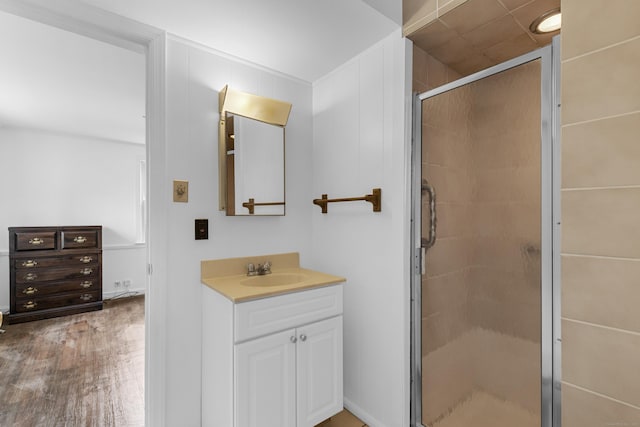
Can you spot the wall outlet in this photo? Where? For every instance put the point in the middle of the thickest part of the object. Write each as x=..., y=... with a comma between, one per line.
x=126, y=283
x=117, y=283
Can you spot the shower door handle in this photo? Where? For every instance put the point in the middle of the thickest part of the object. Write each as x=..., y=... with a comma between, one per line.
x=428, y=188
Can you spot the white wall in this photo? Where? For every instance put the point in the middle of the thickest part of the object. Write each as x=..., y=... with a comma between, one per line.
x=194, y=77
x=361, y=142
x=57, y=179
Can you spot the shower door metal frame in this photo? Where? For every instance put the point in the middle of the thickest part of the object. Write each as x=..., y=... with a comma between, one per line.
x=550, y=231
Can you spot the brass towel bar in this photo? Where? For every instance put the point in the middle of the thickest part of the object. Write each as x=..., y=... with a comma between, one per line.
x=251, y=204
x=375, y=199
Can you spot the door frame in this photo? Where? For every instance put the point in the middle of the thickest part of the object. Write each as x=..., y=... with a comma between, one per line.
x=91, y=22
x=550, y=231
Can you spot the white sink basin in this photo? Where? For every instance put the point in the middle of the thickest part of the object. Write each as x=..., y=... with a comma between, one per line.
x=274, y=279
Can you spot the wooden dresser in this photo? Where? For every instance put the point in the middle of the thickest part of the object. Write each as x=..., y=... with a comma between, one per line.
x=55, y=271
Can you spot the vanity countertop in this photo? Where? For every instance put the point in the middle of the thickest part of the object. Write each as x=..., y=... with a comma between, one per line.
x=228, y=277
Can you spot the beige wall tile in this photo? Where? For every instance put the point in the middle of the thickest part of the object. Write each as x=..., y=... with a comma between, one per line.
x=603, y=360
x=601, y=84
x=444, y=327
x=605, y=291
x=493, y=33
x=601, y=222
x=444, y=6
x=514, y=4
x=601, y=153
x=419, y=66
x=433, y=35
x=510, y=48
x=417, y=13
x=444, y=292
x=588, y=25
x=583, y=409
x=448, y=255
x=472, y=14
x=455, y=50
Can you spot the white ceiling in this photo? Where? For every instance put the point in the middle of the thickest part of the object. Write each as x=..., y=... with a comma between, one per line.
x=302, y=38
x=55, y=80
x=58, y=81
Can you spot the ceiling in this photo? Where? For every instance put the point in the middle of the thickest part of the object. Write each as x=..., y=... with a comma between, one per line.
x=303, y=38
x=481, y=33
x=59, y=81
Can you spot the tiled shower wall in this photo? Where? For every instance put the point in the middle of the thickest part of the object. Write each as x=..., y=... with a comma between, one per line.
x=600, y=213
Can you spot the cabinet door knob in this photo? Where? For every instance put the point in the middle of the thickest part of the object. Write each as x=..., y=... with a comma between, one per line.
x=303, y=337
x=293, y=339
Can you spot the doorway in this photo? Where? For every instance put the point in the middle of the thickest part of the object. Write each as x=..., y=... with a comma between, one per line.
x=483, y=286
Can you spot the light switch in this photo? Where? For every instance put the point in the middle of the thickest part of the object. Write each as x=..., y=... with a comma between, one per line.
x=180, y=191
x=202, y=229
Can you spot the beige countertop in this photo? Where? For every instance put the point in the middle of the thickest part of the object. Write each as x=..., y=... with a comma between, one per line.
x=228, y=277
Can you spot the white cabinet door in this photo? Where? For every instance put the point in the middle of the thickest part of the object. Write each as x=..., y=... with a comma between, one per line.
x=319, y=363
x=266, y=381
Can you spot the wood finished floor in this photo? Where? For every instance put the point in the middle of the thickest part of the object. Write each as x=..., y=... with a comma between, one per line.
x=81, y=370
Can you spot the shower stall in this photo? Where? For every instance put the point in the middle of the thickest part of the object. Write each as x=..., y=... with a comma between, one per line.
x=485, y=332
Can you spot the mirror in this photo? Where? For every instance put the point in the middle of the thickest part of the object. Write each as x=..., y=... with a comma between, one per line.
x=251, y=152
x=255, y=167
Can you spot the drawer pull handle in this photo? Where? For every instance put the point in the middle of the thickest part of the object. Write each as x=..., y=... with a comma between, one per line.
x=79, y=239
x=30, y=277
x=36, y=241
x=86, y=271
x=29, y=263
x=30, y=305
x=85, y=259
x=86, y=297
x=86, y=284
x=30, y=290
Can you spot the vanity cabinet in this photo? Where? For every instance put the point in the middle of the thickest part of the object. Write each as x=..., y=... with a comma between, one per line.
x=54, y=271
x=272, y=362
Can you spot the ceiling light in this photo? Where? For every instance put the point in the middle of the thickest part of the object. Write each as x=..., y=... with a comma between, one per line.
x=547, y=22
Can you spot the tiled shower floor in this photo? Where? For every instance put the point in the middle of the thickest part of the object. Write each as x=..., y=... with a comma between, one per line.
x=485, y=410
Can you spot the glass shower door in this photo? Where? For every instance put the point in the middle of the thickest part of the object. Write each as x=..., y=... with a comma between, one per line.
x=482, y=283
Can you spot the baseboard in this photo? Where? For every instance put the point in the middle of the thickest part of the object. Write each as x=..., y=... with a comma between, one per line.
x=361, y=413
x=116, y=294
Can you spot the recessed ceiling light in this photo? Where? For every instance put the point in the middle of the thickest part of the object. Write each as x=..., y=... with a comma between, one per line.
x=547, y=22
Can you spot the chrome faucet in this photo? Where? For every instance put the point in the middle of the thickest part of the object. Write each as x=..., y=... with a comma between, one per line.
x=264, y=268
x=251, y=270
x=261, y=270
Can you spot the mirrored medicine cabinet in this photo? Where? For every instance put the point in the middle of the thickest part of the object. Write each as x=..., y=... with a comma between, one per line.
x=251, y=153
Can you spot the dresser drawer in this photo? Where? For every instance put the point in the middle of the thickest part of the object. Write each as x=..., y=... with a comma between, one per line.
x=268, y=315
x=44, y=275
x=24, y=305
x=31, y=263
x=32, y=290
x=73, y=239
x=35, y=241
